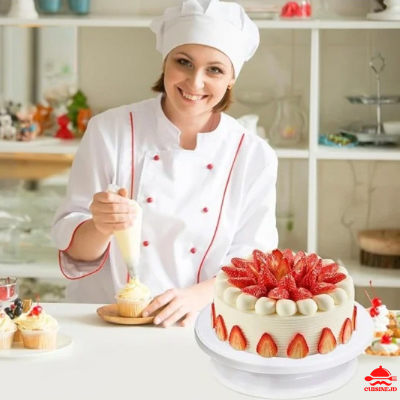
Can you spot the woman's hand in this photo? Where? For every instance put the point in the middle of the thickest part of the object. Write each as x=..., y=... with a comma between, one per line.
x=112, y=212
x=180, y=304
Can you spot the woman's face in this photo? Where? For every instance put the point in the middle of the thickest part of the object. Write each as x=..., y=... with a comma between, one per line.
x=196, y=78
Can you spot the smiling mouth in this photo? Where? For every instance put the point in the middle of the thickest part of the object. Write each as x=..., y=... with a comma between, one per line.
x=191, y=97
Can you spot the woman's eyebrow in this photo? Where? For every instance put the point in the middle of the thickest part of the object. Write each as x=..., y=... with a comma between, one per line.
x=192, y=59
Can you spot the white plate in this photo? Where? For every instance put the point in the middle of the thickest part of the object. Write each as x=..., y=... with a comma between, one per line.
x=64, y=341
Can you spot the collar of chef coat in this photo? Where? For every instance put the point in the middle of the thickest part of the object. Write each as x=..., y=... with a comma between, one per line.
x=169, y=135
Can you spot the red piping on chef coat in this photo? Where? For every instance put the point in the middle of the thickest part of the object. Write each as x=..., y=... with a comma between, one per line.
x=220, y=210
x=69, y=245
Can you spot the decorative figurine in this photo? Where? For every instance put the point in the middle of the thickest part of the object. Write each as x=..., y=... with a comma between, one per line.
x=44, y=117
x=7, y=130
x=79, y=112
x=27, y=128
x=24, y=9
x=64, y=132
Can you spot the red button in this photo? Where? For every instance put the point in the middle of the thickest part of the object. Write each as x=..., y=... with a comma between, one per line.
x=149, y=200
x=146, y=243
x=205, y=209
x=156, y=158
x=210, y=166
x=193, y=250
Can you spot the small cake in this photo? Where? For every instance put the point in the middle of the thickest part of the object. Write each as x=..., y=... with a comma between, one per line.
x=7, y=330
x=38, y=329
x=282, y=304
x=133, y=298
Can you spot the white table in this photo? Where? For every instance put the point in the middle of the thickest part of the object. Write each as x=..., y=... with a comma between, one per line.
x=108, y=362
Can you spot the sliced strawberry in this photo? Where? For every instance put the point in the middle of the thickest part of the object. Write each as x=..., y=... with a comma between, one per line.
x=336, y=278
x=327, y=271
x=272, y=263
x=354, y=319
x=299, y=255
x=288, y=283
x=237, y=339
x=313, y=270
x=321, y=288
x=239, y=262
x=260, y=259
x=234, y=272
x=283, y=269
x=299, y=270
x=266, y=278
x=252, y=271
x=221, y=328
x=277, y=254
x=213, y=317
x=311, y=261
x=256, y=291
x=327, y=342
x=241, y=282
x=288, y=254
x=266, y=347
x=298, y=347
x=300, y=294
x=278, y=293
x=346, y=331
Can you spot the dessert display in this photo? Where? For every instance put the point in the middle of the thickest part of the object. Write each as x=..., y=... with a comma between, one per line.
x=38, y=329
x=386, y=341
x=284, y=304
x=133, y=299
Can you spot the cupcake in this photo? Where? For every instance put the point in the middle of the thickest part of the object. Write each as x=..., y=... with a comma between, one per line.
x=38, y=329
x=7, y=330
x=133, y=299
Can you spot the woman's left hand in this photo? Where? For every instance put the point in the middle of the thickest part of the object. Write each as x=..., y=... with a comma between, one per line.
x=180, y=304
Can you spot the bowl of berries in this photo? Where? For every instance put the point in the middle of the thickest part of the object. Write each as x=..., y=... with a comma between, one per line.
x=8, y=289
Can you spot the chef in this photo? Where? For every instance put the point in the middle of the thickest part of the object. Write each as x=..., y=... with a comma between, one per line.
x=205, y=185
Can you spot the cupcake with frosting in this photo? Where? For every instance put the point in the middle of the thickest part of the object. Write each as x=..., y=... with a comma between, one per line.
x=38, y=329
x=133, y=298
x=7, y=331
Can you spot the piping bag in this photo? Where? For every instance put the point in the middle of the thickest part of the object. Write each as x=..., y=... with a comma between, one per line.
x=129, y=240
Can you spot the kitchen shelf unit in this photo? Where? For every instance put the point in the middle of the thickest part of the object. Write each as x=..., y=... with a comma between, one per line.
x=313, y=153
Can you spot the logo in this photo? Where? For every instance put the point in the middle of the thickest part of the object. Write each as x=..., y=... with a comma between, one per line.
x=380, y=380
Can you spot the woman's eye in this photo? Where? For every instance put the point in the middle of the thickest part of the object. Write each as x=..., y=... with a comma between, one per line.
x=216, y=70
x=183, y=61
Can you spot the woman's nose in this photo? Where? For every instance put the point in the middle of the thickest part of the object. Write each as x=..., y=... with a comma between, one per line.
x=196, y=81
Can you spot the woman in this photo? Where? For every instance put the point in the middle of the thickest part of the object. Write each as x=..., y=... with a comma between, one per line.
x=205, y=185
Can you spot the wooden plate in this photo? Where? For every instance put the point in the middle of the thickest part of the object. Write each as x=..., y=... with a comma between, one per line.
x=109, y=313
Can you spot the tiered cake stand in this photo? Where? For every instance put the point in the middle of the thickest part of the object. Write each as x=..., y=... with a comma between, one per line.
x=283, y=378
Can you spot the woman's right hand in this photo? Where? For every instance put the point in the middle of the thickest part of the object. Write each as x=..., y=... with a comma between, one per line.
x=112, y=212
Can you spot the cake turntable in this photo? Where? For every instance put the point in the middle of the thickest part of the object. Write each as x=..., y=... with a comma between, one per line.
x=283, y=378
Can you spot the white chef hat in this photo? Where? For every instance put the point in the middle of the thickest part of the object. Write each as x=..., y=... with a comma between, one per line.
x=222, y=25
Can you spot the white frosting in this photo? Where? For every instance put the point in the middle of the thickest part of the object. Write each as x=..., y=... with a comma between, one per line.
x=221, y=276
x=324, y=302
x=221, y=286
x=342, y=270
x=348, y=286
x=327, y=261
x=265, y=306
x=387, y=348
x=339, y=296
x=231, y=294
x=307, y=307
x=286, y=308
x=246, y=302
x=381, y=321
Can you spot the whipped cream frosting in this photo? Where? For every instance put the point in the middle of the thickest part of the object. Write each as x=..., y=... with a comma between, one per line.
x=381, y=321
x=6, y=323
x=41, y=322
x=134, y=290
x=386, y=348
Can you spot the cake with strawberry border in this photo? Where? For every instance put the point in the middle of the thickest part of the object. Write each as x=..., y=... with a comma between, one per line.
x=284, y=304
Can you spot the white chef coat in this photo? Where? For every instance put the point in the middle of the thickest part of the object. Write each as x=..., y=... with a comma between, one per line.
x=200, y=207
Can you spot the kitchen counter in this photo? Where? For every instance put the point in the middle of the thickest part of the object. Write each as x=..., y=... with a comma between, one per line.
x=110, y=361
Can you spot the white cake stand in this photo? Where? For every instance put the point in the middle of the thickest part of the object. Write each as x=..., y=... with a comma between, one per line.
x=283, y=378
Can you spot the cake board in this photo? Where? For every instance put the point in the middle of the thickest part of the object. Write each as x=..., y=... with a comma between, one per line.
x=278, y=377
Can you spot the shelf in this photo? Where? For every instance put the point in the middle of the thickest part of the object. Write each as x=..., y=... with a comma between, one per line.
x=358, y=153
x=299, y=153
x=380, y=277
x=41, y=145
x=45, y=267
x=144, y=22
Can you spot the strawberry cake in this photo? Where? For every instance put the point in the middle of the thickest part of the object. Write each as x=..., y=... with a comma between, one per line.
x=282, y=304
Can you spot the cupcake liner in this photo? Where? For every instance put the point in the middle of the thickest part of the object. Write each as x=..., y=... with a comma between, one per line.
x=131, y=308
x=6, y=340
x=45, y=340
x=17, y=336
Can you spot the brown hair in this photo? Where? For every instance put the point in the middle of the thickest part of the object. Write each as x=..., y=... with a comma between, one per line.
x=223, y=105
